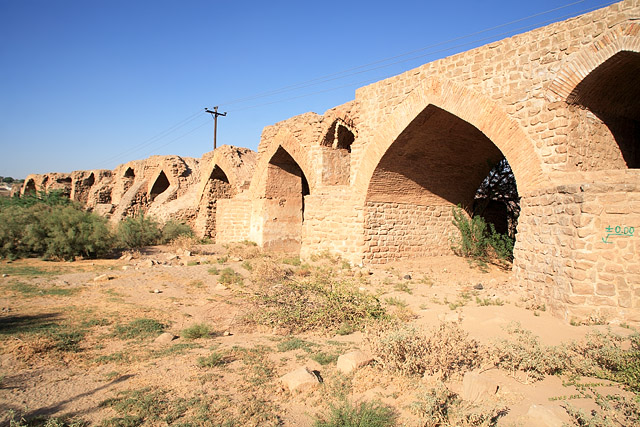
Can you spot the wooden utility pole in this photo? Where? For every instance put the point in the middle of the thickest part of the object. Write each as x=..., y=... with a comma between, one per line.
x=215, y=115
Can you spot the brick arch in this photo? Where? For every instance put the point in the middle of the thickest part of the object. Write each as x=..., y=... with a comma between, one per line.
x=623, y=37
x=285, y=139
x=221, y=162
x=470, y=106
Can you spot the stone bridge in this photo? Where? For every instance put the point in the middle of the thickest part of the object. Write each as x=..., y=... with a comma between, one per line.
x=375, y=180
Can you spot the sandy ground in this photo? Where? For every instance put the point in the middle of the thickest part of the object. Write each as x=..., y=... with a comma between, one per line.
x=179, y=290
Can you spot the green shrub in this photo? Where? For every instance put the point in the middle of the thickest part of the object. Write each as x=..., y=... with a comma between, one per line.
x=199, y=330
x=479, y=241
x=56, y=230
x=214, y=359
x=174, y=229
x=229, y=277
x=369, y=414
x=138, y=232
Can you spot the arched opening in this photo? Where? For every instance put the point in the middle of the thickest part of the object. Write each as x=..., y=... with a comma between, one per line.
x=160, y=186
x=286, y=187
x=612, y=93
x=436, y=163
x=497, y=199
x=128, y=178
x=30, y=188
x=83, y=187
x=64, y=185
x=336, y=154
x=217, y=187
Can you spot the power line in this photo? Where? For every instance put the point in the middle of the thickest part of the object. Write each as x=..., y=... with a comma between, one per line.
x=378, y=78
x=348, y=72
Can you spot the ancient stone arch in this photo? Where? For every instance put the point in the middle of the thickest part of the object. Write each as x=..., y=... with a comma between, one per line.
x=604, y=78
x=471, y=107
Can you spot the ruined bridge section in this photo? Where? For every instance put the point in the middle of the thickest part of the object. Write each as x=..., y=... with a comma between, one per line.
x=375, y=180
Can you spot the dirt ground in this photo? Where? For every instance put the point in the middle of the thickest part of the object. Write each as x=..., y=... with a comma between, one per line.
x=92, y=378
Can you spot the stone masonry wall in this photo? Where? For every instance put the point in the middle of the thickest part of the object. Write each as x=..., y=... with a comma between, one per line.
x=233, y=220
x=405, y=230
x=570, y=251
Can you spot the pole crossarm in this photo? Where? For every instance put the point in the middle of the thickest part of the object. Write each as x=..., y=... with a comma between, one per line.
x=215, y=115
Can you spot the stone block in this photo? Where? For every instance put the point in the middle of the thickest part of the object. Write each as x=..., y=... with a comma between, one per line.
x=353, y=360
x=476, y=387
x=299, y=380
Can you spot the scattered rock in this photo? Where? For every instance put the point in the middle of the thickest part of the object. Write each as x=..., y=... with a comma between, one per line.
x=165, y=337
x=353, y=360
x=542, y=416
x=146, y=263
x=478, y=287
x=407, y=277
x=125, y=267
x=227, y=334
x=157, y=291
x=299, y=380
x=5, y=275
x=221, y=287
x=126, y=257
x=476, y=387
x=102, y=278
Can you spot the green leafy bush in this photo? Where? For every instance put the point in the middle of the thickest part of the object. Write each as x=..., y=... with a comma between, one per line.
x=53, y=229
x=138, y=232
x=199, y=330
x=139, y=328
x=478, y=240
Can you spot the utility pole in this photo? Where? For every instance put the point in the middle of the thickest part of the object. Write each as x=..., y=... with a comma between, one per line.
x=215, y=115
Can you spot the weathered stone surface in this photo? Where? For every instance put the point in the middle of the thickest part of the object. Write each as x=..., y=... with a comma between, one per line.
x=299, y=380
x=353, y=360
x=542, y=416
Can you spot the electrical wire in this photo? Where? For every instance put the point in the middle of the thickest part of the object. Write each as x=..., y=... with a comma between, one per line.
x=378, y=78
x=349, y=72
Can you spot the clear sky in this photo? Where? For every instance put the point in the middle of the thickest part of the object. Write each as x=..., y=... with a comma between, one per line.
x=87, y=84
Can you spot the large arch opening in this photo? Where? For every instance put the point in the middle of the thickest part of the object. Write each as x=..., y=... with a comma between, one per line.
x=286, y=187
x=159, y=186
x=217, y=187
x=30, y=188
x=612, y=92
x=437, y=162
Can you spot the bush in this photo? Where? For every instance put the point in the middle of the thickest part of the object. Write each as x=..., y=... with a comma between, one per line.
x=199, y=330
x=138, y=232
x=440, y=406
x=52, y=229
x=174, y=229
x=139, y=328
x=315, y=305
x=524, y=353
x=479, y=241
x=448, y=350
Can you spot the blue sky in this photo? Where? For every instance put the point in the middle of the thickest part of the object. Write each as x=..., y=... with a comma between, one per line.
x=89, y=84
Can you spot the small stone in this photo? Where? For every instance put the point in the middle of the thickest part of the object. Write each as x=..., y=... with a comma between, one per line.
x=102, y=278
x=478, y=286
x=299, y=380
x=165, y=337
x=407, y=277
x=157, y=291
x=221, y=287
x=125, y=267
x=227, y=334
x=146, y=263
x=5, y=275
x=353, y=360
